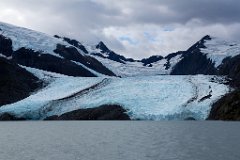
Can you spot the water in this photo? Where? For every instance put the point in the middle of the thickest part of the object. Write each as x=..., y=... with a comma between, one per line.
x=136, y=140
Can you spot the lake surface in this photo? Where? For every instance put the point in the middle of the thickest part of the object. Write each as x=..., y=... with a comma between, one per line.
x=135, y=140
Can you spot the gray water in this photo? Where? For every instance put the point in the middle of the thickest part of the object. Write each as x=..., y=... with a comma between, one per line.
x=120, y=140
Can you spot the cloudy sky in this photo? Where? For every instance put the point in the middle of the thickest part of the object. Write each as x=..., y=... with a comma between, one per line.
x=134, y=28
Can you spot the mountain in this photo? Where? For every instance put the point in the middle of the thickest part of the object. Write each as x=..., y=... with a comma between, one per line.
x=38, y=50
x=54, y=77
x=211, y=56
x=125, y=67
x=194, y=61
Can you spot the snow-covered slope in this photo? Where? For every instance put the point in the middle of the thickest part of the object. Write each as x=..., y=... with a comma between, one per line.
x=45, y=44
x=130, y=69
x=35, y=49
x=23, y=37
x=217, y=49
x=148, y=98
x=125, y=67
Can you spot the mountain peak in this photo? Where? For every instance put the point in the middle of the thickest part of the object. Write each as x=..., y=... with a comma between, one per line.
x=102, y=47
x=200, y=44
x=207, y=37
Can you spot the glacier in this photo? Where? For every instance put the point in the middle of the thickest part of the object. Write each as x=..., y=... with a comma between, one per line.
x=161, y=97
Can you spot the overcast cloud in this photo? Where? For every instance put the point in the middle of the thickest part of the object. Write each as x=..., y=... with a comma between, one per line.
x=134, y=28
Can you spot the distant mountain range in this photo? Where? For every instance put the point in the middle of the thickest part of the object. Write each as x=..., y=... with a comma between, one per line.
x=34, y=49
x=21, y=47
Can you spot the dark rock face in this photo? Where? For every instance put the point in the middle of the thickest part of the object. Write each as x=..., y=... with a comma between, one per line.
x=57, y=36
x=30, y=58
x=199, y=44
x=75, y=43
x=71, y=53
x=195, y=62
x=10, y=117
x=152, y=59
x=231, y=67
x=112, y=55
x=105, y=112
x=119, y=58
x=190, y=119
x=5, y=46
x=227, y=108
x=15, y=82
x=170, y=56
x=102, y=47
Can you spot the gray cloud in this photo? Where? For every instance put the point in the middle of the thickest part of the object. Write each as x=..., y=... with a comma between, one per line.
x=170, y=25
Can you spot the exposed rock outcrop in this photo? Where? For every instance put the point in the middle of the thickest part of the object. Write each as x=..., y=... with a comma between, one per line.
x=231, y=68
x=71, y=53
x=105, y=112
x=227, y=108
x=111, y=55
x=75, y=43
x=30, y=58
x=10, y=117
x=15, y=82
x=152, y=59
x=5, y=46
x=45, y=61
